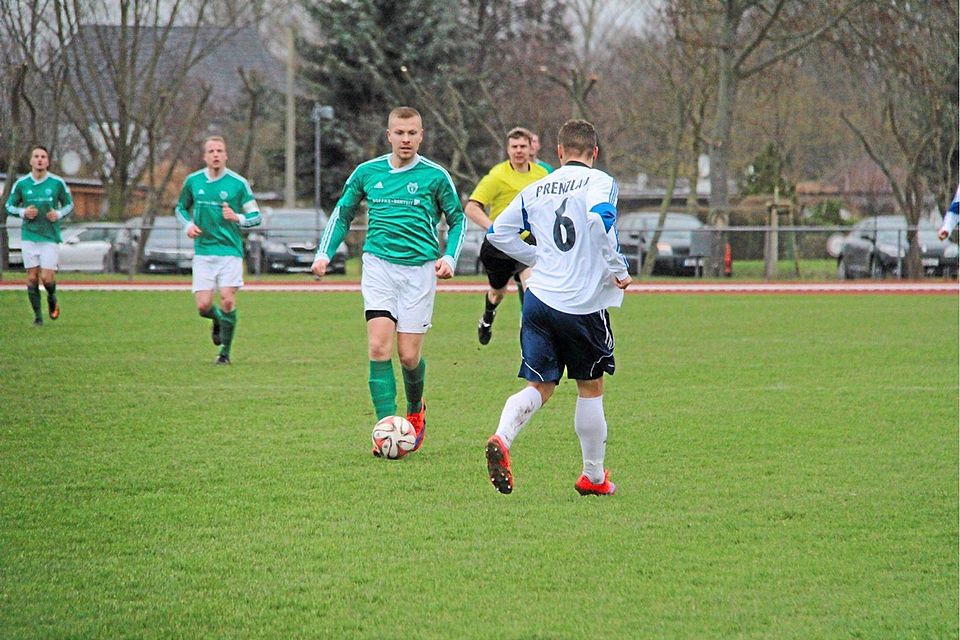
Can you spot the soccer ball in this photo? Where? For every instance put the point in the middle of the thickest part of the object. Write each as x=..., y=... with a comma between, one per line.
x=393, y=437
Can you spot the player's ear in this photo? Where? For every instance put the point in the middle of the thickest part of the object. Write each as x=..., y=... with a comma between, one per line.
x=560, y=153
x=596, y=152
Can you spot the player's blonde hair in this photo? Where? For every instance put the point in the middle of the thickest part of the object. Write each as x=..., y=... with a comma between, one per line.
x=213, y=139
x=520, y=132
x=403, y=113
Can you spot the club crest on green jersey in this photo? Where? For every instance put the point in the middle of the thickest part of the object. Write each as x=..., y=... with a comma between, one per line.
x=223, y=195
x=412, y=187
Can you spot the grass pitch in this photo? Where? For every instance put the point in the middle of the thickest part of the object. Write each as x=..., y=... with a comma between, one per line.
x=787, y=468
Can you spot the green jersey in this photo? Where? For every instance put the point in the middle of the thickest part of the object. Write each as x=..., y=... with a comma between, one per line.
x=51, y=193
x=403, y=211
x=201, y=203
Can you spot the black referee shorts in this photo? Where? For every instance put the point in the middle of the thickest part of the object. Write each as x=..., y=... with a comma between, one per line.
x=499, y=266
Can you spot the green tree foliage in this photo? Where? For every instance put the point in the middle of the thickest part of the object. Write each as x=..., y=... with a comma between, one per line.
x=766, y=174
x=470, y=67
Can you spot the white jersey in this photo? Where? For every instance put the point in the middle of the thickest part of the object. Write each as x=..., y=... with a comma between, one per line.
x=953, y=213
x=572, y=213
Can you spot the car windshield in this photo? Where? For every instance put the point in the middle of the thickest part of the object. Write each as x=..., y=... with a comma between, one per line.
x=92, y=234
x=284, y=225
x=168, y=237
x=675, y=227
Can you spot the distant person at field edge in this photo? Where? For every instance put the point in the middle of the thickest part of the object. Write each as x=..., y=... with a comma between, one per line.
x=578, y=272
x=42, y=199
x=535, y=151
x=495, y=191
x=214, y=204
x=406, y=194
x=950, y=220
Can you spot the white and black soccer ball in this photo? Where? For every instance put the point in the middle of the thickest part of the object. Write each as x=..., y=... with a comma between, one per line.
x=393, y=437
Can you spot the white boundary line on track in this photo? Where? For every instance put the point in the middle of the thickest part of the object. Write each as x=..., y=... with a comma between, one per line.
x=866, y=287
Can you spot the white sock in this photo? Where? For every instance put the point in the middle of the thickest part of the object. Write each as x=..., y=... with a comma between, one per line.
x=591, y=428
x=517, y=412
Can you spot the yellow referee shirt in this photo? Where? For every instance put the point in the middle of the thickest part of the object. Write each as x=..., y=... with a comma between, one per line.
x=502, y=184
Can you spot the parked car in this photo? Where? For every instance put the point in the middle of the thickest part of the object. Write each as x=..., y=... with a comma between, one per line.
x=15, y=254
x=876, y=245
x=168, y=249
x=287, y=241
x=469, y=262
x=89, y=247
x=636, y=230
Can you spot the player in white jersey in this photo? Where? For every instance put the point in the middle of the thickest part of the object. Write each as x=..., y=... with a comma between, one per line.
x=578, y=272
x=950, y=220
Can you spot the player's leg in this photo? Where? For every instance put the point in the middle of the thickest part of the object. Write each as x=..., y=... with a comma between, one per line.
x=499, y=268
x=542, y=369
x=229, y=280
x=204, y=284
x=32, y=264
x=380, y=294
x=589, y=354
x=49, y=262
x=414, y=318
x=227, y=320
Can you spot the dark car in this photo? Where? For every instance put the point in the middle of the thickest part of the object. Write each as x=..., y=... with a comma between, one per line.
x=15, y=255
x=877, y=246
x=287, y=241
x=636, y=230
x=168, y=249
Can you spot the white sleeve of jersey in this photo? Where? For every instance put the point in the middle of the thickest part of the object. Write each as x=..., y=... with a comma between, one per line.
x=602, y=194
x=505, y=231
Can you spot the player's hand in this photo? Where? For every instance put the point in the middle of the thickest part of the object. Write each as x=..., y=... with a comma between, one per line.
x=623, y=284
x=444, y=272
x=943, y=234
x=228, y=213
x=30, y=212
x=319, y=267
x=52, y=216
x=193, y=231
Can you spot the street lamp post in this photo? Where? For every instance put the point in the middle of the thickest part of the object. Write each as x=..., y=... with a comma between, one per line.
x=319, y=113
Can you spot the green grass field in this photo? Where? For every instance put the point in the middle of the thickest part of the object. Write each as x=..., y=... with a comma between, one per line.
x=787, y=468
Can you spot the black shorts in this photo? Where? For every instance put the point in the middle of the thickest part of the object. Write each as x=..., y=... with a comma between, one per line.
x=499, y=266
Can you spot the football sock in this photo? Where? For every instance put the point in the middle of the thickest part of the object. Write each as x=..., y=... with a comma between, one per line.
x=591, y=427
x=383, y=388
x=51, y=294
x=228, y=324
x=489, y=310
x=209, y=313
x=33, y=293
x=517, y=412
x=413, y=385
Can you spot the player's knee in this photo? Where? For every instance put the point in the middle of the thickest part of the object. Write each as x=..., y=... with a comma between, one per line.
x=228, y=305
x=409, y=360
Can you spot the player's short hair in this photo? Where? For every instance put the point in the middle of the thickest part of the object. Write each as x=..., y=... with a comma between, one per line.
x=213, y=139
x=577, y=136
x=39, y=146
x=520, y=132
x=403, y=113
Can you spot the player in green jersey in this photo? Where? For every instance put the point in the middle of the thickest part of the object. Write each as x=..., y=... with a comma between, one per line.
x=42, y=199
x=406, y=195
x=214, y=204
x=534, y=152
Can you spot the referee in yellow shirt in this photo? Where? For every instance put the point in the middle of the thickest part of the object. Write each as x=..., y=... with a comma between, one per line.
x=495, y=191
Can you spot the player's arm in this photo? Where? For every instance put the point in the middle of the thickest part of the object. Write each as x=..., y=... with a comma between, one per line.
x=14, y=202
x=338, y=225
x=249, y=215
x=65, y=202
x=183, y=211
x=505, y=232
x=483, y=194
x=449, y=203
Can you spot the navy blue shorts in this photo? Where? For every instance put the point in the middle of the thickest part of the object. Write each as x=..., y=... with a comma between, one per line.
x=551, y=340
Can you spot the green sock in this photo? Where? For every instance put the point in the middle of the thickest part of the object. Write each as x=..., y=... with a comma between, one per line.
x=383, y=388
x=228, y=324
x=33, y=293
x=51, y=294
x=413, y=386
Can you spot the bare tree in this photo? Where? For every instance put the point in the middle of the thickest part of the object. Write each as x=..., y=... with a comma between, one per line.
x=746, y=37
x=911, y=49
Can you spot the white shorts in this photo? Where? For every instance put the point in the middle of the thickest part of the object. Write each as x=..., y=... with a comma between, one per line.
x=45, y=255
x=405, y=292
x=212, y=273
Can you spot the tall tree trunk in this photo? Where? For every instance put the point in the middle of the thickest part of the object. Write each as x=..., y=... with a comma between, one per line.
x=719, y=216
